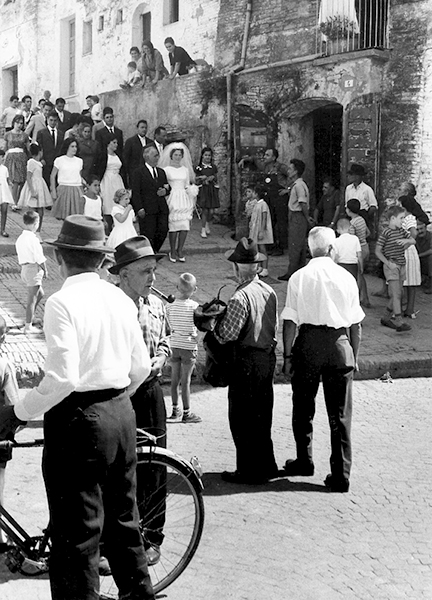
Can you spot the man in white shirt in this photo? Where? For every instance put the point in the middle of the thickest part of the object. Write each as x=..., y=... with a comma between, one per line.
x=133, y=149
x=96, y=359
x=322, y=305
x=9, y=113
x=359, y=190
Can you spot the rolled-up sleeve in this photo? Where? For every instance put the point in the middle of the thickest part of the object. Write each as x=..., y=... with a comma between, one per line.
x=290, y=311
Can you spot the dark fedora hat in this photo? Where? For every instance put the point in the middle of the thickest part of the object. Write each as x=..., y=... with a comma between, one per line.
x=132, y=250
x=356, y=169
x=79, y=232
x=245, y=253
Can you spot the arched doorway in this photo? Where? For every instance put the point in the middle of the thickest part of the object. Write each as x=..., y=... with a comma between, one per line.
x=141, y=24
x=327, y=131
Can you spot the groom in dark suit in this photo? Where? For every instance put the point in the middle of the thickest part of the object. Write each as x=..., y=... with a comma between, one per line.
x=133, y=149
x=149, y=191
x=50, y=140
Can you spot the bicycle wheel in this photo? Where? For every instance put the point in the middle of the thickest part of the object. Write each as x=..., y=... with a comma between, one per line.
x=184, y=517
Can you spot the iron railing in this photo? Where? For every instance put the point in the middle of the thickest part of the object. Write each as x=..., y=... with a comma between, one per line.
x=348, y=25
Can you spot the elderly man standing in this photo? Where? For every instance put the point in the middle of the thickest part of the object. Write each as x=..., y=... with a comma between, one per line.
x=250, y=323
x=96, y=358
x=322, y=305
x=136, y=266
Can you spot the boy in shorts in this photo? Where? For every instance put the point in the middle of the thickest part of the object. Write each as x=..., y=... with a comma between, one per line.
x=33, y=266
x=8, y=396
x=390, y=250
x=184, y=347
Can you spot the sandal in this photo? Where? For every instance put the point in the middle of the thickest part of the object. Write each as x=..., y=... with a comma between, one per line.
x=4, y=234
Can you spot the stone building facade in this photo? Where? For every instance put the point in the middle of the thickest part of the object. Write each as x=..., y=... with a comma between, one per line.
x=327, y=81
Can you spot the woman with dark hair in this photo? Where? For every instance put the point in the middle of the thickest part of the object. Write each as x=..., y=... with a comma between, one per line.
x=410, y=204
x=153, y=66
x=177, y=164
x=180, y=61
x=67, y=195
x=88, y=150
x=74, y=122
x=208, y=195
x=17, y=144
x=108, y=169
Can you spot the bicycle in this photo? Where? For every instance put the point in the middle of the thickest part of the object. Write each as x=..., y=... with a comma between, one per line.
x=184, y=519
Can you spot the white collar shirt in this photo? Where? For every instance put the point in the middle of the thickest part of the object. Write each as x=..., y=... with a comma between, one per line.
x=323, y=293
x=159, y=147
x=29, y=248
x=153, y=171
x=94, y=342
x=143, y=140
x=363, y=193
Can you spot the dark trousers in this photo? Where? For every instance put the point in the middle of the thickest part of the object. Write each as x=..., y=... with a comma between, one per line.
x=250, y=411
x=351, y=268
x=89, y=463
x=297, y=234
x=155, y=228
x=323, y=352
x=279, y=216
x=149, y=406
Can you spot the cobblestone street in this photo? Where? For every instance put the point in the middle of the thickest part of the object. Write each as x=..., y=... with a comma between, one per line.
x=292, y=539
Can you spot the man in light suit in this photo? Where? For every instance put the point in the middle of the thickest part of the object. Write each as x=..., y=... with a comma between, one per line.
x=50, y=140
x=149, y=191
x=103, y=135
x=38, y=122
x=133, y=149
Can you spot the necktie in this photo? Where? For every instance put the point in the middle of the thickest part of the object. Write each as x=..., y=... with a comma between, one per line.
x=155, y=173
x=111, y=130
x=53, y=135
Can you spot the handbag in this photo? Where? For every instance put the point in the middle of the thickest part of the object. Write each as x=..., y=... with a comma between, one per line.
x=219, y=360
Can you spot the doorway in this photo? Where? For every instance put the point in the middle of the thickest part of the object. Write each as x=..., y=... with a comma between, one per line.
x=327, y=128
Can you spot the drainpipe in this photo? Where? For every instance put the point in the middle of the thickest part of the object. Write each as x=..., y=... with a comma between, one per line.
x=233, y=70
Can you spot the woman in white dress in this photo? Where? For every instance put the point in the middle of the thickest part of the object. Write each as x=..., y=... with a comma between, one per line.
x=177, y=164
x=67, y=171
x=111, y=180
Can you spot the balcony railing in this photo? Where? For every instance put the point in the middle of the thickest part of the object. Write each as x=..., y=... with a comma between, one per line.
x=348, y=25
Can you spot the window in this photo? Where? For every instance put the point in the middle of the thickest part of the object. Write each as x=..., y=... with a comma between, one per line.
x=87, y=37
x=171, y=11
x=101, y=23
x=146, y=26
x=119, y=17
x=71, y=57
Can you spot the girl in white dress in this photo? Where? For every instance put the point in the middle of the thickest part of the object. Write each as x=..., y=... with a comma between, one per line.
x=123, y=217
x=260, y=225
x=6, y=197
x=177, y=164
x=92, y=198
x=35, y=193
x=111, y=181
x=67, y=170
x=413, y=272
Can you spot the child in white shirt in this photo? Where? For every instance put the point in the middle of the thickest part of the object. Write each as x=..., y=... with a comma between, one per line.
x=33, y=266
x=347, y=249
x=92, y=199
x=133, y=76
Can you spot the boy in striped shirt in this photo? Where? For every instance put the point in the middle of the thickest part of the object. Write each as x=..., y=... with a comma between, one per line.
x=390, y=250
x=184, y=347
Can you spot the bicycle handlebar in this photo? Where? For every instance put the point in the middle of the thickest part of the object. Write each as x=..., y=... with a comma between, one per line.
x=143, y=437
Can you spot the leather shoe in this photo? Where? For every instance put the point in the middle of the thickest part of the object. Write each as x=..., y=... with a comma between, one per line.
x=153, y=554
x=284, y=277
x=336, y=484
x=299, y=468
x=236, y=477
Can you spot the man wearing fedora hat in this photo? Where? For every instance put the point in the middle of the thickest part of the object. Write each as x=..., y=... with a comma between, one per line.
x=135, y=263
x=359, y=190
x=96, y=358
x=250, y=322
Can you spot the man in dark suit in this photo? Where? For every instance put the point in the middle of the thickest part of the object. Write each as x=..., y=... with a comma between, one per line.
x=149, y=191
x=133, y=149
x=103, y=135
x=64, y=116
x=160, y=138
x=50, y=140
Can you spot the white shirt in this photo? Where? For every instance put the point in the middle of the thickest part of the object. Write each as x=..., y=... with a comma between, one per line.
x=363, y=193
x=69, y=170
x=93, y=207
x=323, y=293
x=29, y=248
x=94, y=342
x=153, y=170
x=159, y=147
x=346, y=247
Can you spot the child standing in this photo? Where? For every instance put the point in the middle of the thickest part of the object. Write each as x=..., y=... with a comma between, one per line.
x=348, y=249
x=208, y=195
x=359, y=228
x=413, y=272
x=260, y=225
x=35, y=193
x=33, y=266
x=92, y=199
x=123, y=216
x=5, y=193
x=390, y=250
x=184, y=347
x=8, y=396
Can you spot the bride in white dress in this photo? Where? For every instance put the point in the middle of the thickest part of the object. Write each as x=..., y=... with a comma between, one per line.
x=177, y=164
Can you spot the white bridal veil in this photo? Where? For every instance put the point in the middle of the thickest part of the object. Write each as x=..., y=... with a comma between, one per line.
x=165, y=160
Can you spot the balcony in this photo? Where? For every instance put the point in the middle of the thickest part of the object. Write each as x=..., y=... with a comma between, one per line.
x=352, y=25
